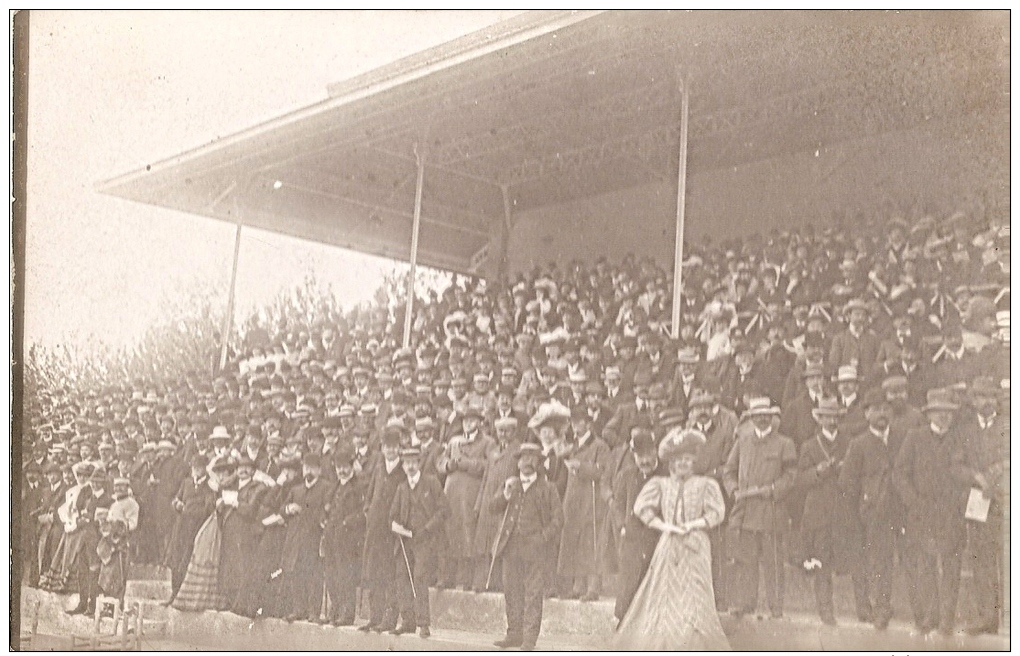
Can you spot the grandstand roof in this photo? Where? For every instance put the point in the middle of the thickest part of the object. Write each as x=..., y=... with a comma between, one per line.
x=558, y=105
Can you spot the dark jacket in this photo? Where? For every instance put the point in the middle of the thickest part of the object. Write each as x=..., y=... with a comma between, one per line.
x=343, y=535
x=935, y=501
x=422, y=511
x=533, y=522
x=866, y=479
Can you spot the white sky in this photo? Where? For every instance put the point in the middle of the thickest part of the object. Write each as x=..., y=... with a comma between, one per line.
x=112, y=91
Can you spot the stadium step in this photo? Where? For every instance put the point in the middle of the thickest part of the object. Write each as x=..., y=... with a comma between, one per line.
x=218, y=630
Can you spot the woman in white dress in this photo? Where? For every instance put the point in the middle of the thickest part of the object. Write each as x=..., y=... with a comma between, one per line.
x=674, y=607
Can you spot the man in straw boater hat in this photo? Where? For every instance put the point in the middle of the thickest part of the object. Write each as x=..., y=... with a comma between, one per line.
x=984, y=465
x=529, y=531
x=758, y=473
x=417, y=516
x=935, y=501
x=824, y=538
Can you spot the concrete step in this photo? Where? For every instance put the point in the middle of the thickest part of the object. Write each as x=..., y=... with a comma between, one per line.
x=148, y=572
x=226, y=631
x=148, y=589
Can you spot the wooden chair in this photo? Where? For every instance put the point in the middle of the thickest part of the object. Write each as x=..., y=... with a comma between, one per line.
x=29, y=627
x=96, y=639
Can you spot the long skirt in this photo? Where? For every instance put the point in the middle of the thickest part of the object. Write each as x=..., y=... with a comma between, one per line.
x=200, y=590
x=674, y=607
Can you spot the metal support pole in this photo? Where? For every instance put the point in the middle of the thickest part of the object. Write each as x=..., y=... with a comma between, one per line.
x=229, y=318
x=681, y=194
x=504, y=242
x=419, y=157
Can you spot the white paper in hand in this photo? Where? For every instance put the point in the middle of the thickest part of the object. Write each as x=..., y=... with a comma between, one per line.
x=977, y=505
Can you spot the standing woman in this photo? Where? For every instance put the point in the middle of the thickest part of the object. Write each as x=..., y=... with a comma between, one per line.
x=200, y=588
x=674, y=608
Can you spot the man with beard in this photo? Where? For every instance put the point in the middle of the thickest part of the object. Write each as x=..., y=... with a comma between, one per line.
x=827, y=528
x=463, y=463
x=416, y=517
x=759, y=471
x=304, y=512
x=718, y=424
x=168, y=472
x=193, y=503
x=379, y=561
x=534, y=519
x=587, y=463
x=501, y=463
x=343, y=537
x=636, y=541
x=984, y=465
x=903, y=416
x=935, y=501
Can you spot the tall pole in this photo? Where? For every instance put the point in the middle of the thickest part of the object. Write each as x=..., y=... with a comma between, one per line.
x=681, y=194
x=419, y=157
x=228, y=319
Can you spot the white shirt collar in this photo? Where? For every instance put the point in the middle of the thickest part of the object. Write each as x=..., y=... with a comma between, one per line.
x=763, y=434
x=829, y=436
x=413, y=480
x=526, y=481
x=391, y=465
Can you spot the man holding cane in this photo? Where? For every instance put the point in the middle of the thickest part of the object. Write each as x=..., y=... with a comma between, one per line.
x=416, y=517
x=533, y=521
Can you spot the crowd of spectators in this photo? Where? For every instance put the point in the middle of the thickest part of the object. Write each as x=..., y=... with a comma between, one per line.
x=795, y=351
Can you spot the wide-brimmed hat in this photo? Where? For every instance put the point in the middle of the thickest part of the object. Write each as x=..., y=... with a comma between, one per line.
x=702, y=397
x=681, y=441
x=547, y=412
x=857, y=304
x=985, y=386
x=688, y=355
x=940, y=399
x=761, y=406
x=846, y=374
x=529, y=449
x=827, y=407
x=220, y=433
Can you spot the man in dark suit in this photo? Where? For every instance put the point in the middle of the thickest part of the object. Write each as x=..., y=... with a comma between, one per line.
x=304, y=511
x=343, y=537
x=637, y=541
x=984, y=465
x=866, y=481
x=31, y=506
x=417, y=515
x=380, y=543
x=826, y=525
x=533, y=522
x=797, y=420
x=935, y=501
x=857, y=345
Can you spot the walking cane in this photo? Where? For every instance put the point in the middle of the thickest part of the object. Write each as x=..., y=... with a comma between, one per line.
x=594, y=530
x=407, y=564
x=495, y=546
